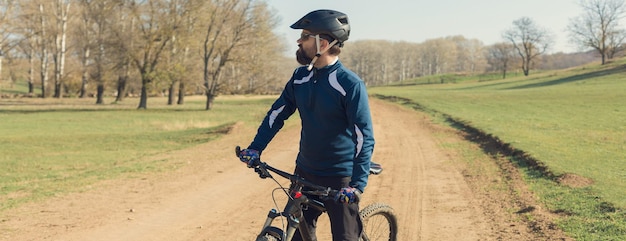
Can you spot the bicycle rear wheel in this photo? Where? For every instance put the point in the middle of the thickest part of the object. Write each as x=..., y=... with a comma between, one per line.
x=379, y=223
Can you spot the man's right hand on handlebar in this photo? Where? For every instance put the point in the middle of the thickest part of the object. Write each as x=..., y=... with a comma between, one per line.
x=250, y=156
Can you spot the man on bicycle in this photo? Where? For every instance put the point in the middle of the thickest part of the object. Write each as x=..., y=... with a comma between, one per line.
x=336, y=141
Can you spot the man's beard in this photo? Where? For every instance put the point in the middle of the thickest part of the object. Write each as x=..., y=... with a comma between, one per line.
x=302, y=58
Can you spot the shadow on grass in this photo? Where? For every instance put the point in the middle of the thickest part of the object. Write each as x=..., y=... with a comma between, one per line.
x=11, y=92
x=574, y=78
x=564, y=80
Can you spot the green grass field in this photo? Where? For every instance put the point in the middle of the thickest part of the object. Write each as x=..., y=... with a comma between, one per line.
x=50, y=147
x=573, y=121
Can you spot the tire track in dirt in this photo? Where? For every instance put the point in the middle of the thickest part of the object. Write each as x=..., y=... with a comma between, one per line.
x=428, y=194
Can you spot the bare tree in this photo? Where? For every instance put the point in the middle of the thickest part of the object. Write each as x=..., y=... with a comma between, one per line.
x=6, y=10
x=499, y=56
x=27, y=46
x=61, y=13
x=190, y=20
x=43, y=45
x=360, y=55
x=229, y=22
x=95, y=41
x=616, y=43
x=407, y=60
x=439, y=56
x=598, y=27
x=31, y=32
x=248, y=72
x=26, y=32
x=476, y=57
x=529, y=41
x=469, y=55
x=380, y=62
x=185, y=13
x=85, y=45
x=89, y=36
x=153, y=33
x=125, y=26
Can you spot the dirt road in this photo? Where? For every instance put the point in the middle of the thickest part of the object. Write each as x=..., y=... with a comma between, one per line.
x=214, y=197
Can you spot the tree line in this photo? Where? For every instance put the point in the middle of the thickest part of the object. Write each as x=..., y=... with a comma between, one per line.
x=140, y=47
x=176, y=48
x=382, y=62
x=596, y=32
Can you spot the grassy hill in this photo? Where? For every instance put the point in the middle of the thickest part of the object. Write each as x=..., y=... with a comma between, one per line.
x=571, y=121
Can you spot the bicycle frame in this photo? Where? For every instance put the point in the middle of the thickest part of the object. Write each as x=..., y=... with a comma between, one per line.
x=293, y=209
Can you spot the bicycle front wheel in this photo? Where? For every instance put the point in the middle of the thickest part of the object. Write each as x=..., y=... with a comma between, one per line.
x=271, y=234
x=379, y=223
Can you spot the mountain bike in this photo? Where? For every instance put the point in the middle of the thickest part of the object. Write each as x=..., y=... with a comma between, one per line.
x=379, y=220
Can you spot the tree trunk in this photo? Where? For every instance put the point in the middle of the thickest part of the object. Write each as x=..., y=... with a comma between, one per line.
x=209, y=100
x=57, y=89
x=122, y=81
x=526, y=65
x=83, y=86
x=31, y=88
x=181, y=93
x=1, y=60
x=603, y=58
x=60, y=41
x=121, y=88
x=44, y=75
x=100, y=94
x=43, y=70
x=171, y=93
x=143, y=100
x=31, y=71
x=85, y=75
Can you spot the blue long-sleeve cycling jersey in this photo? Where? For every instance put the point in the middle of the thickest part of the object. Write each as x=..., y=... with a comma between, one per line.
x=337, y=134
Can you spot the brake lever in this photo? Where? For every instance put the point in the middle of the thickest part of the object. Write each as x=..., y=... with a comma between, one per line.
x=262, y=171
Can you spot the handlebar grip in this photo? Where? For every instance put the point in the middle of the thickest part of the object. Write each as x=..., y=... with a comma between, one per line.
x=237, y=151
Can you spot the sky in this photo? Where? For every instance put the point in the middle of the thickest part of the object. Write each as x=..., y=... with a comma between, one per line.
x=418, y=20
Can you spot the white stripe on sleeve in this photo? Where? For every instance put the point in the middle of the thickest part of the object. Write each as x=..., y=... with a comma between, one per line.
x=359, y=140
x=332, y=79
x=274, y=114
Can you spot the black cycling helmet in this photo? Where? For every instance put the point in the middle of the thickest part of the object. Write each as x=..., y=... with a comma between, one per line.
x=329, y=22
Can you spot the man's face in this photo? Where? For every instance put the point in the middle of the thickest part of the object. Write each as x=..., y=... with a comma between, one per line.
x=306, y=48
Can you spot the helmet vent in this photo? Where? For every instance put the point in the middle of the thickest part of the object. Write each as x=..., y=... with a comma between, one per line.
x=343, y=20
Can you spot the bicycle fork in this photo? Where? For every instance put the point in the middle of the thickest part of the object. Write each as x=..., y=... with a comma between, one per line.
x=293, y=214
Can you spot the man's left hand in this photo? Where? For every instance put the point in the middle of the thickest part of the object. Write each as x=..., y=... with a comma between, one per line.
x=348, y=195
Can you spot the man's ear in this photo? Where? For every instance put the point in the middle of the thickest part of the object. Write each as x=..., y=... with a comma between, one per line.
x=324, y=44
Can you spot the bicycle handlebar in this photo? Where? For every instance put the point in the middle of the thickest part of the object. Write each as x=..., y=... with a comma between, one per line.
x=263, y=169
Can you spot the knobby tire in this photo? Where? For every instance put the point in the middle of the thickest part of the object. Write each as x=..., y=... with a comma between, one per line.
x=271, y=234
x=379, y=223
